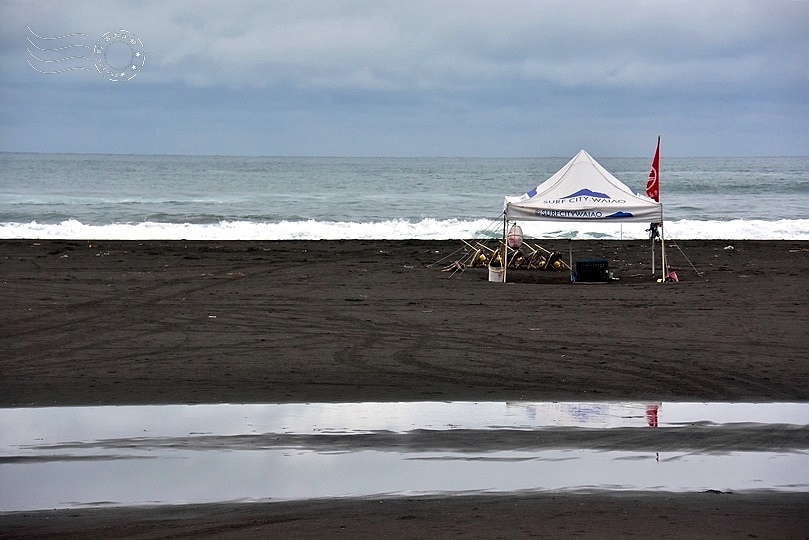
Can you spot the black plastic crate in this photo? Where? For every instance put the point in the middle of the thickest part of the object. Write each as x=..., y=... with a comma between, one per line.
x=592, y=270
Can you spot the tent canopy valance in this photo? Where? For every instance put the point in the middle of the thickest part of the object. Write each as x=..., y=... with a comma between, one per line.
x=583, y=190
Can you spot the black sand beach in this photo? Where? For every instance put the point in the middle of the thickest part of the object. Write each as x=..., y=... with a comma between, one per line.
x=147, y=322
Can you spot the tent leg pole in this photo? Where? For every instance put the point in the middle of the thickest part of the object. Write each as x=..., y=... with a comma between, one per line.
x=505, y=261
x=570, y=257
x=505, y=248
x=653, y=255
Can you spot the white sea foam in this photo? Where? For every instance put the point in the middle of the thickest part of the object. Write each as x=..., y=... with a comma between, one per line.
x=424, y=229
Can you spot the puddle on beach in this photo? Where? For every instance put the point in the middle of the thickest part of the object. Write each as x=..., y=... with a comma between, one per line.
x=66, y=457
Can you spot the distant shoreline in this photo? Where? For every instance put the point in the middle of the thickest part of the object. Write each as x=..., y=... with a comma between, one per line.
x=292, y=156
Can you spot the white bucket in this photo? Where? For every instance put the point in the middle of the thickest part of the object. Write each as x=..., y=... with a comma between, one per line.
x=496, y=274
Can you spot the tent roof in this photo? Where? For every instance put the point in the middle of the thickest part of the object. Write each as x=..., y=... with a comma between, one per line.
x=583, y=190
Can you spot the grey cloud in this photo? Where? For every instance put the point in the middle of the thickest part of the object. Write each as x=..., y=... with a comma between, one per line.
x=427, y=76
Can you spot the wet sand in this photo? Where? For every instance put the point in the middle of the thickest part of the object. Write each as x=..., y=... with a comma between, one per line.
x=638, y=515
x=112, y=322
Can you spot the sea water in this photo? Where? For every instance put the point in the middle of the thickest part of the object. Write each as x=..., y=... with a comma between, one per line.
x=75, y=196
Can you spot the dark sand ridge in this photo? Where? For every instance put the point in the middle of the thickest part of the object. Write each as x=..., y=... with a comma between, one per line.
x=111, y=322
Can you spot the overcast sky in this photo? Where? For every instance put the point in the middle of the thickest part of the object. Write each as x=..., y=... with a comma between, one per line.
x=408, y=78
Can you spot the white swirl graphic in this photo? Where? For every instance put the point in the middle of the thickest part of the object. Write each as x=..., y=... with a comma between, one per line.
x=50, y=58
x=118, y=55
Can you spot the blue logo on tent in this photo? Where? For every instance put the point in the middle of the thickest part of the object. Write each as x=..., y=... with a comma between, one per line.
x=587, y=193
x=619, y=215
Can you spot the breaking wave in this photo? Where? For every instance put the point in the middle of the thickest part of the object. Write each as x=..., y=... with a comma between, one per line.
x=399, y=229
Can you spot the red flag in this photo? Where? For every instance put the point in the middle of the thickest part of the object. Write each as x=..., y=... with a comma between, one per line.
x=653, y=183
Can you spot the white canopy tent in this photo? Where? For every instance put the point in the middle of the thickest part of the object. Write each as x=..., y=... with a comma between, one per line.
x=583, y=190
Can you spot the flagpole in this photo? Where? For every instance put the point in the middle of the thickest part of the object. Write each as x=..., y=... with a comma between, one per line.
x=663, y=251
x=653, y=192
x=662, y=229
